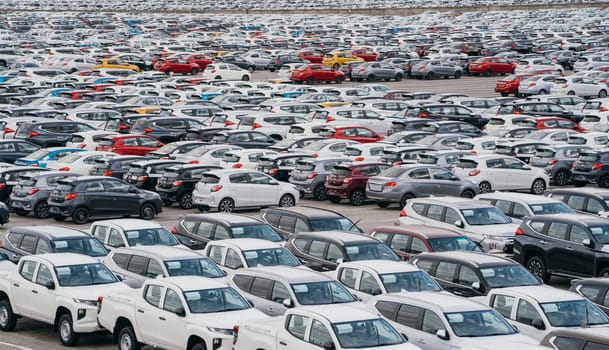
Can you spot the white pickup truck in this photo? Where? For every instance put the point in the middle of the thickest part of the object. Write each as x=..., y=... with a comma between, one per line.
x=186, y=312
x=330, y=327
x=58, y=289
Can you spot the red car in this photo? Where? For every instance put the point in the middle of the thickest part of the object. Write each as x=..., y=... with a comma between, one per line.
x=317, y=72
x=349, y=180
x=557, y=123
x=201, y=60
x=137, y=145
x=354, y=133
x=313, y=56
x=366, y=55
x=509, y=84
x=176, y=65
x=492, y=65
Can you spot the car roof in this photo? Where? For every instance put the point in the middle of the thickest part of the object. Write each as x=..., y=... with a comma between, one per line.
x=50, y=231
x=226, y=218
x=591, y=191
x=160, y=251
x=525, y=197
x=478, y=259
x=247, y=243
x=589, y=220
x=541, y=293
x=340, y=313
x=311, y=212
x=381, y=266
x=418, y=230
x=287, y=273
x=191, y=283
x=445, y=302
x=591, y=334
x=65, y=259
x=130, y=224
x=337, y=236
x=459, y=202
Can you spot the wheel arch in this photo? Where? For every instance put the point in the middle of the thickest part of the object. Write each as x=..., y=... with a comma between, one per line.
x=61, y=310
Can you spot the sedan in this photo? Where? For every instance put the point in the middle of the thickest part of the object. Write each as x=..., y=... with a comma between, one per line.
x=316, y=72
x=375, y=71
x=226, y=71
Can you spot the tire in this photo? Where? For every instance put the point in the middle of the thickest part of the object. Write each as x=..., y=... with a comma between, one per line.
x=488, y=73
x=194, y=71
x=310, y=80
x=571, y=93
x=59, y=218
x=561, y=178
x=80, y=215
x=338, y=80
x=370, y=77
x=286, y=201
x=226, y=205
x=8, y=320
x=542, y=92
x=602, y=94
x=538, y=187
x=485, y=187
x=41, y=210
x=458, y=75
x=398, y=77
x=504, y=94
x=147, y=211
x=429, y=76
x=334, y=199
x=335, y=66
x=357, y=197
x=218, y=77
x=22, y=212
x=468, y=194
x=537, y=266
x=405, y=199
x=603, y=182
x=245, y=78
x=604, y=273
x=251, y=69
x=127, y=339
x=383, y=204
x=168, y=71
x=185, y=201
x=579, y=183
x=319, y=192
x=65, y=330
x=199, y=346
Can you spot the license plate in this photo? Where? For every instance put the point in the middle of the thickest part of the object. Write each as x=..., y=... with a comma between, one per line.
x=375, y=187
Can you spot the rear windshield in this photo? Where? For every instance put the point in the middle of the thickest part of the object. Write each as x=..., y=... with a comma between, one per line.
x=467, y=164
x=105, y=142
x=544, y=153
x=464, y=146
x=503, y=149
x=588, y=157
x=28, y=181
x=427, y=159
x=64, y=187
x=352, y=152
x=339, y=171
x=305, y=166
x=393, y=172
x=209, y=179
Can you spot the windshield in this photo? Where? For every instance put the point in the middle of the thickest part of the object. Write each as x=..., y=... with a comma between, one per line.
x=38, y=154
x=261, y=231
x=415, y=281
x=84, y=275
x=484, y=216
x=194, y=267
x=551, y=208
x=70, y=158
x=482, y=323
x=449, y=244
x=321, y=293
x=601, y=233
x=197, y=152
x=215, y=300
x=168, y=148
x=370, y=251
x=305, y=166
x=150, y=236
x=537, y=135
x=27, y=181
x=331, y=224
x=270, y=257
x=573, y=313
x=366, y=334
x=544, y=153
x=315, y=146
x=352, y=152
x=508, y=276
x=86, y=246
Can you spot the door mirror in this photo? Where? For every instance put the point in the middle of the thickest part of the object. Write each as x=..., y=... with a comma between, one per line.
x=526, y=167
x=538, y=323
x=588, y=243
x=329, y=345
x=132, y=189
x=339, y=261
x=454, y=178
x=160, y=144
x=459, y=224
x=180, y=311
x=50, y=285
x=119, y=277
x=273, y=182
x=356, y=297
x=442, y=334
x=288, y=303
x=476, y=285
x=405, y=336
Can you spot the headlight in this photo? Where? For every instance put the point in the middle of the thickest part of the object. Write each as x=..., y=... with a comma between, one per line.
x=220, y=330
x=86, y=302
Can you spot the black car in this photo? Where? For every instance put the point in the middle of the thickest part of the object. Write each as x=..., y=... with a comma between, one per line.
x=28, y=240
x=166, y=129
x=573, y=245
x=244, y=138
x=33, y=191
x=293, y=220
x=9, y=177
x=452, y=127
x=324, y=250
x=10, y=150
x=53, y=133
x=470, y=274
x=98, y=196
x=540, y=109
x=595, y=289
x=177, y=183
x=445, y=111
x=116, y=167
x=281, y=166
x=196, y=230
x=123, y=123
x=591, y=167
x=205, y=134
x=589, y=200
x=145, y=174
x=170, y=150
x=557, y=161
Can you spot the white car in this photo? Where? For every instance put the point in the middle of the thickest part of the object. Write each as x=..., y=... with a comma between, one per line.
x=518, y=205
x=328, y=147
x=478, y=145
x=438, y=321
x=507, y=121
x=350, y=116
x=367, y=152
x=538, y=310
x=206, y=154
x=593, y=139
x=88, y=140
x=498, y=172
x=226, y=71
x=118, y=233
x=536, y=64
x=579, y=86
x=244, y=158
x=537, y=85
x=231, y=189
x=80, y=162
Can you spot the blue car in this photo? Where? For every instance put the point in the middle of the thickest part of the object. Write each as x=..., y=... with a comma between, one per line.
x=43, y=156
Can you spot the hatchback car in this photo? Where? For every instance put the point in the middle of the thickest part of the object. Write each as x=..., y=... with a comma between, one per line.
x=348, y=181
x=591, y=167
x=145, y=174
x=177, y=183
x=293, y=220
x=50, y=133
x=42, y=157
x=136, y=145
x=33, y=191
x=309, y=175
x=115, y=167
x=557, y=161
x=11, y=150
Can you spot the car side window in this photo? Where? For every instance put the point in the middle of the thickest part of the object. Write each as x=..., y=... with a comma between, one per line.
x=319, y=335
x=152, y=294
x=446, y=271
x=154, y=269
x=28, y=244
x=94, y=186
x=172, y=302
x=388, y=309
x=434, y=212
x=526, y=313
x=537, y=226
x=115, y=239
x=42, y=247
x=400, y=243
x=425, y=265
x=216, y=253
x=44, y=275
x=431, y=322
x=503, y=304
x=272, y=219
x=519, y=211
x=567, y=343
x=300, y=226
x=368, y=284
x=100, y=233
x=300, y=243
x=417, y=246
x=27, y=270
x=317, y=248
x=243, y=282
x=467, y=276
x=578, y=234
x=410, y=316
x=122, y=260
x=419, y=174
x=590, y=292
x=205, y=229
x=419, y=208
x=576, y=202
x=557, y=230
x=296, y=326
x=348, y=276
x=116, y=186
x=451, y=216
x=138, y=265
x=279, y=292
x=594, y=206
x=261, y=287
x=287, y=223
x=233, y=260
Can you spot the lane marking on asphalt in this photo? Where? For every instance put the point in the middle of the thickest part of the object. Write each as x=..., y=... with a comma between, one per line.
x=15, y=346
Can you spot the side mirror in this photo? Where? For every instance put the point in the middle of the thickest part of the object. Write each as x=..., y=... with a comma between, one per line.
x=442, y=334
x=538, y=323
x=160, y=144
x=180, y=311
x=287, y=302
x=329, y=345
x=132, y=190
x=405, y=336
x=50, y=285
x=588, y=243
x=526, y=167
x=356, y=297
x=339, y=261
x=459, y=224
x=273, y=182
x=476, y=285
x=119, y=277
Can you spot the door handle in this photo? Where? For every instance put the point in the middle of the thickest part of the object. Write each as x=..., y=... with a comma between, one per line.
x=140, y=311
x=281, y=342
x=192, y=241
x=161, y=318
x=543, y=242
x=569, y=248
x=457, y=292
x=34, y=291
x=15, y=285
x=15, y=256
x=422, y=341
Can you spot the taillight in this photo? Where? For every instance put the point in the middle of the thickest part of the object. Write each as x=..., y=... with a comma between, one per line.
x=237, y=165
x=177, y=183
x=32, y=134
x=597, y=166
x=32, y=191
x=2, y=185
x=390, y=184
x=194, y=161
x=311, y=175
x=273, y=171
x=330, y=119
x=347, y=180
x=359, y=159
x=532, y=84
x=422, y=115
x=8, y=130
x=228, y=123
x=574, y=165
x=314, y=155
x=174, y=230
x=82, y=145
x=474, y=152
x=603, y=109
x=70, y=196
x=122, y=127
x=147, y=130
x=213, y=71
x=256, y=126
x=565, y=86
x=402, y=213
x=235, y=334
x=216, y=188
x=474, y=172
x=142, y=178
x=65, y=168
x=99, y=303
x=518, y=231
x=107, y=173
x=552, y=161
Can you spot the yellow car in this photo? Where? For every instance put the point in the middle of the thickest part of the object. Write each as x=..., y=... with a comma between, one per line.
x=336, y=59
x=115, y=64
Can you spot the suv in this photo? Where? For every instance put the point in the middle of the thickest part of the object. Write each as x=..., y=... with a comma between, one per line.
x=310, y=175
x=146, y=173
x=166, y=129
x=594, y=289
x=33, y=191
x=540, y=109
x=573, y=245
x=177, y=183
x=557, y=161
x=589, y=200
x=116, y=167
x=26, y=240
x=293, y=220
x=349, y=181
x=96, y=196
x=519, y=205
x=325, y=250
x=282, y=165
x=591, y=167
x=196, y=230
x=50, y=133
x=470, y=274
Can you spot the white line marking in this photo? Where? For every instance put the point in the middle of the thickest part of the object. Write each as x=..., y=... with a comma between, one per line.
x=15, y=346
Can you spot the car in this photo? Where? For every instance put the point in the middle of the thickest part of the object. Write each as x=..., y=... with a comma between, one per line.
x=354, y=133
x=145, y=174
x=53, y=133
x=520, y=205
x=328, y=147
x=592, y=139
x=248, y=158
x=88, y=140
x=511, y=84
x=33, y=190
x=25, y=240
x=166, y=129
x=591, y=167
x=498, y=172
x=293, y=220
x=557, y=161
x=243, y=138
x=371, y=71
x=79, y=162
x=280, y=166
x=44, y=156
x=11, y=150
x=349, y=180
x=540, y=109
x=432, y=68
x=117, y=233
x=309, y=175
x=336, y=59
x=314, y=72
x=579, y=86
x=135, y=265
x=177, y=183
x=536, y=85
x=226, y=71
x=409, y=241
x=594, y=289
x=99, y=196
x=491, y=65
x=451, y=112
x=562, y=339
x=240, y=61
x=114, y=167
x=524, y=149
x=9, y=177
x=400, y=183
x=113, y=63
x=231, y=189
x=135, y=145
x=593, y=201
x=175, y=149
x=172, y=65
x=208, y=154
x=325, y=250
x=567, y=245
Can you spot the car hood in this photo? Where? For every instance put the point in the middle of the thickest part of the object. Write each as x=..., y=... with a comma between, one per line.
x=228, y=319
x=504, y=230
x=490, y=342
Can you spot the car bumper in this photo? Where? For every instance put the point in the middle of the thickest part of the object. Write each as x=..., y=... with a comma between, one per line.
x=337, y=192
x=388, y=197
x=61, y=210
x=20, y=204
x=498, y=245
x=584, y=177
x=88, y=322
x=205, y=200
x=302, y=186
x=167, y=195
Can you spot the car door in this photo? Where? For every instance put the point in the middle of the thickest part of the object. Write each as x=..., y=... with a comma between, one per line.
x=124, y=198
x=42, y=297
x=297, y=326
x=445, y=273
x=579, y=259
x=260, y=293
x=447, y=184
x=148, y=314
x=96, y=199
x=420, y=182
x=525, y=314
x=349, y=276
x=553, y=243
x=264, y=189
x=169, y=319
x=241, y=189
x=23, y=283
x=516, y=174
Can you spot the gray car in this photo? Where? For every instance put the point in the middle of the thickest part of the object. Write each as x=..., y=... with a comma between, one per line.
x=310, y=175
x=401, y=183
x=372, y=71
x=33, y=191
x=430, y=69
x=557, y=161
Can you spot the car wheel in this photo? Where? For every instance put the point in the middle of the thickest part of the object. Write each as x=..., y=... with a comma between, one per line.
x=310, y=80
x=603, y=182
x=357, y=197
x=429, y=76
x=468, y=194
x=203, y=208
x=67, y=336
x=22, y=212
x=287, y=200
x=571, y=93
x=147, y=211
x=603, y=273
x=398, y=77
x=383, y=204
x=41, y=210
x=543, y=92
x=194, y=71
x=370, y=77
x=504, y=94
x=59, y=218
x=537, y=266
x=458, y=75
x=579, y=183
x=168, y=71
x=186, y=201
x=319, y=193
x=405, y=199
x=334, y=199
x=335, y=66
x=538, y=187
x=227, y=205
x=245, y=78
x=218, y=77
x=339, y=80
x=8, y=320
x=485, y=187
x=127, y=339
x=602, y=94
x=488, y=73
x=199, y=346
x=251, y=68
x=80, y=216
x=561, y=178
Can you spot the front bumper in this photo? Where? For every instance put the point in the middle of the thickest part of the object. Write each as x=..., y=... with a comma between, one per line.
x=87, y=323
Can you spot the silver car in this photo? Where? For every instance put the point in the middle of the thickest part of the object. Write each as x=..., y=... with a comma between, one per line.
x=33, y=191
x=430, y=69
x=372, y=71
x=310, y=175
